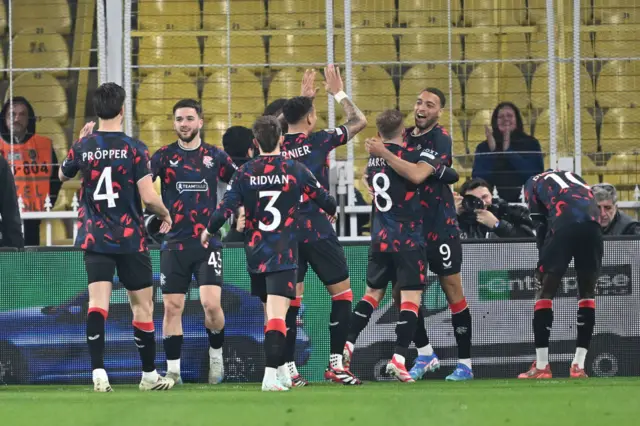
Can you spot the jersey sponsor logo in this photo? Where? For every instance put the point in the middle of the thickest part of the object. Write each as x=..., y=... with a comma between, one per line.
x=207, y=161
x=201, y=186
x=520, y=284
x=428, y=153
x=337, y=131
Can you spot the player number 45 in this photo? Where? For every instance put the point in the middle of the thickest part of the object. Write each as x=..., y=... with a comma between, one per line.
x=105, y=183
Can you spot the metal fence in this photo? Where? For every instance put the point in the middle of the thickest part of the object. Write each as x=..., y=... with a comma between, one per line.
x=570, y=66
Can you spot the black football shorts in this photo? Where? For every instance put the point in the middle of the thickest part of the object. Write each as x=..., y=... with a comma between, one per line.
x=279, y=283
x=134, y=269
x=581, y=242
x=326, y=258
x=178, y=266
x=445, y=256
x=405, y=269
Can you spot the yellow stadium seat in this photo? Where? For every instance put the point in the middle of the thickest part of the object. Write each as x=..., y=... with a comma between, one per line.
x=51, y=129
x=3, y=18
x=620, y=130
x=481, y=90
x=247, y=101
x=616, y=12
x=492, y=12
x=511, y=85
x=427, y=47
x=45, y=94
x=368, y=48
x=625, y=163
x=373, y=89
x=537, y=12
x=589, y=141
x=158, y=92
x=431, y=13
x=540, y=88
x=618, y=84
x=159, y=50
x=31, y=49
x=244, y=50
x=286, y=84
x=157, y=132
x=213, y=132
x=366, y=13
x=420, y=77
x=616, y=44
x=297, y=49
x=290, y=14
x=176, y=15
x=52, y=16
x=245, y=15
x=476, y=128
x=481, y=46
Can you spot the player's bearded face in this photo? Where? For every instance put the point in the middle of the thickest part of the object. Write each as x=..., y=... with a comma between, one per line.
x=187, y=133
x=426, y=110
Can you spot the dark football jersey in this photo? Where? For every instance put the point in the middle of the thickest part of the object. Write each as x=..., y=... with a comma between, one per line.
x=270, y=188
x=397, y=214
x=313, y=151
x=189, y=181
x=440, y=220
x=562, y=197
x=110, y=213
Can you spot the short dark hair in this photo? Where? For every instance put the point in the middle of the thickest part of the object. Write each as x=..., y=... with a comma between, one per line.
x=438, y=93
x=236, y=142
x=390, y=123
x=267, y=132
x=474, y=183
x=108, y=100
x=295, y=109
x=188, y=103
x=275, y=107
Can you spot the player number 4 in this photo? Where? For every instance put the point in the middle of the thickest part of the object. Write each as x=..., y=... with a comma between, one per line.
x=108, y=194
x=563, y=184
x=380, y=192
x=277, y=217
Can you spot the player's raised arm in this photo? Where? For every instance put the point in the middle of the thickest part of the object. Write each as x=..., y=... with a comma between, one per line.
x=69, y=167
x=356, y=121
x=316, y=192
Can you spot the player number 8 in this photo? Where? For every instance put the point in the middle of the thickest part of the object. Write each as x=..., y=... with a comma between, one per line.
x=381, y=192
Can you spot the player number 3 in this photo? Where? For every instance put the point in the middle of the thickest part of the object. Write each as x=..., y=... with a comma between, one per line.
x=108, y=194
x=270, y=208
x=380, y=192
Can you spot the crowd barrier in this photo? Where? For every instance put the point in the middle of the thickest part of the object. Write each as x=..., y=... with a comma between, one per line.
x=43, y=304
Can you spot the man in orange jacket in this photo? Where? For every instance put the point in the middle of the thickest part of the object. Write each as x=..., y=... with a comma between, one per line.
x=35, y=165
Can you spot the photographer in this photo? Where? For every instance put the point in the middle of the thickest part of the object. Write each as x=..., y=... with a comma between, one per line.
x=480, y=216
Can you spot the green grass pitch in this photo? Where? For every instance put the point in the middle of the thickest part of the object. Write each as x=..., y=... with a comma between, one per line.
x=591, y=402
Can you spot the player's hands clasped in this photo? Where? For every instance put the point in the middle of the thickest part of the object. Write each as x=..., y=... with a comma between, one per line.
x=374, y=146
x=333, y=82
x=86, y=130
x=309, y=88
x=204, y=238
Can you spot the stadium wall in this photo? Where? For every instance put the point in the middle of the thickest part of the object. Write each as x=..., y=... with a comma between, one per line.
x=43, y=307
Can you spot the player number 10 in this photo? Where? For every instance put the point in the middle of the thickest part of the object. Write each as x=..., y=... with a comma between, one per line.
x=108, y=194
x=380, y=192
x=563, y=184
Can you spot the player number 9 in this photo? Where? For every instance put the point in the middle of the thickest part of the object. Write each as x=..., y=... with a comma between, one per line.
x=380, y=192
x=445, y=251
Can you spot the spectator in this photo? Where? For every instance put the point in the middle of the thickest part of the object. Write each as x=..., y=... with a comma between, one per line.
x=237, y=142
x=509, y=156
x=10, y=224
x=482, y=216
x=612, y=220
x=33, y=159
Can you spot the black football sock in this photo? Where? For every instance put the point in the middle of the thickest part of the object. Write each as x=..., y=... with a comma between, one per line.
x=144, y=336
x=95, y=336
